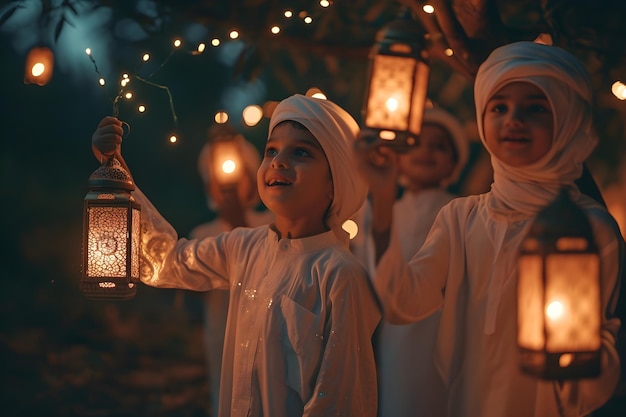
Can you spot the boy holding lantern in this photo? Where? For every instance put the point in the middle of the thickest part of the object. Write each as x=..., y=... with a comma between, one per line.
x=533, y=111
x=232, y=194
x=301, y=313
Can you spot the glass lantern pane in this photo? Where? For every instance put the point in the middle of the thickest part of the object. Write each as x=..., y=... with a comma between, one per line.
x=135, y=242
x=390, y=93
x=572, y=302
x=530, y=303
x=106, y=242
x=420, y=86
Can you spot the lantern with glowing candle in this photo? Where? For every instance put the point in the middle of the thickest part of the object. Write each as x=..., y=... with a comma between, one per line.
x=39, y=66
x=226, y=166
x=111, y=234
x=559, y=312
x=398, y=83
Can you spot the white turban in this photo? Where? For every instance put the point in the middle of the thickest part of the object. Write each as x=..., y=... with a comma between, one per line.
x=335, y=130
x=450, y=124
x=567, y=86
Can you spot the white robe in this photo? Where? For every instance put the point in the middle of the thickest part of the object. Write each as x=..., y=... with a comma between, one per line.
x=300, y=322
x=467, y=267
x=408, y=382
x=216, y=304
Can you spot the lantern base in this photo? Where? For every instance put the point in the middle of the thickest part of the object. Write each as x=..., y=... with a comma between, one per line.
x=563, y=365
x=106, y=290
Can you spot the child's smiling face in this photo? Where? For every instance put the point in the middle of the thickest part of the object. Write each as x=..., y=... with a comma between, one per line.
x=518, y=124
x=294, y=178
x=430, y=161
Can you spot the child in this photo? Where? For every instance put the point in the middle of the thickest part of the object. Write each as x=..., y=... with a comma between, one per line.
x=234, y=207
x=301, y=313
x=408, y=383
x=533, y=113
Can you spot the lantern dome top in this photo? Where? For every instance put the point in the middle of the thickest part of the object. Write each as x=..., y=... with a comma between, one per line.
x=561, y=218
x=111, y=175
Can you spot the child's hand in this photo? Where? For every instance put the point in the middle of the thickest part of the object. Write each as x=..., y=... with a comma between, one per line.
x=378, y=166
x=107, y=139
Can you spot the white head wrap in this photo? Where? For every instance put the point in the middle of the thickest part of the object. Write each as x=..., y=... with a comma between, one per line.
x=335, y=130
x=567, y=86
x=449, y=123
x=251, y=161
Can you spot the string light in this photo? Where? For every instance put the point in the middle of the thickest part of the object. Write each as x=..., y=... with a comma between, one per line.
x=619, y=90
x=324, y=3
x=233, y=34
x=275, y=30
x=221, y=117
x=252, y=115
x=448, y=52
x=288, y=14
x=428, y=8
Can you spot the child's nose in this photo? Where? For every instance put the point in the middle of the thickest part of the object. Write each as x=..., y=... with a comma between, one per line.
x=279, y=160
x=516, y=116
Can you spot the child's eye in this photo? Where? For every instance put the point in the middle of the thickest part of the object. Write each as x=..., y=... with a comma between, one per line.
x=538, y=108
x=271, y=152
x=301, y=152
x=499, y=108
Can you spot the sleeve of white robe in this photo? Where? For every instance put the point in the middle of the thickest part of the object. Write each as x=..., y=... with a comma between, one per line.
x=410, y=292
x=580, y=398
x=170, y=262
x=346, y=382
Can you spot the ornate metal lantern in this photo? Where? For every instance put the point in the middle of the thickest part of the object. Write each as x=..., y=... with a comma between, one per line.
x=398, y=83
x=559, y=310
x=111, y=234
x=39, y=66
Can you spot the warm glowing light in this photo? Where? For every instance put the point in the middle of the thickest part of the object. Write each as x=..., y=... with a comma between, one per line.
x=88, y=51
x=38, y=69
x=252, y=115
x=448, y=52
x=315, y=92
x=201, y=47
x=275, y=30
x=233, y=34
x=619, y=90
x=221, y=117
x=308, y=20
x=173, y=139
x=124, y=82
x=324, y=3
x=141, y=108
x=391, y=104
x=351, y=227
x=125, y=75
x=145, y=57
x=101, y=81
x=428, y=8
x=177, y=43
x=555, y=310
x=215, y=42
x=128, y=95
x=288, y=13
x=566, y=360
x=229, y=166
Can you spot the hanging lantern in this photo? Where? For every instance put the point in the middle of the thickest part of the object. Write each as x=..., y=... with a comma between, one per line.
x=559, y=311
x=111, y=235
x=225, y=156
x=39, y=66
x=398, y=83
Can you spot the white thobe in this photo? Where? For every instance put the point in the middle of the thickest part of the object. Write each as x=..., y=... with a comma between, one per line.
x=467, y=267
x=216, y=303
x=408, y=382
x=300, y=320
